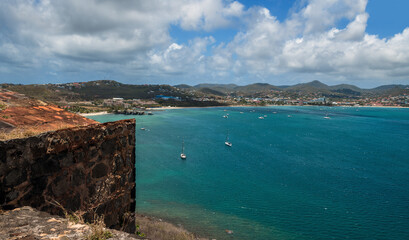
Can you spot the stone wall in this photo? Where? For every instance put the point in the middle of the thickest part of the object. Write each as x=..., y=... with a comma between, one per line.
x=90, y=168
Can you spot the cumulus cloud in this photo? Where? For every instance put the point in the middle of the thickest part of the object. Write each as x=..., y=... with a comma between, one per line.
x=131, y=37
x=308, y=43
x=104, y=31
x=178, y=59
x=209, y=14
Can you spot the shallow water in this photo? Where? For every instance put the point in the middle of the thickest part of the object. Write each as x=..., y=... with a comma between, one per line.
x=291, y=175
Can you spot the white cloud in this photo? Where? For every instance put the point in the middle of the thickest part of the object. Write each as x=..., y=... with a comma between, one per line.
x=106, y=31
x=209, y=14
x=131, y=37
x=180, y=59
x=308, y=43
x=318, y=15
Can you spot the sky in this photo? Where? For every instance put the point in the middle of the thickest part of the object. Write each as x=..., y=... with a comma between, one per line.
x=281, y=42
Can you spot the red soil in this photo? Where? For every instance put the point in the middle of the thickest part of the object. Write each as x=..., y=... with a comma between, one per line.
x=31, y=114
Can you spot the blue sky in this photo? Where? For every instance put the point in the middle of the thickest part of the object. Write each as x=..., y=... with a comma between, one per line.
x=361, y=42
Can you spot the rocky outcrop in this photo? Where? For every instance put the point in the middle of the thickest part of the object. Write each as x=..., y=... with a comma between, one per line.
x=89, y=169
x=21, y=116
x=28, y=223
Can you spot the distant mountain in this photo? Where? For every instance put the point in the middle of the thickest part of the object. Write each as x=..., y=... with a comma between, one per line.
x=346, y=90
x=223, y=88
x=390, y=90
x=284, y=86
x=205, y=90
x=340, y=90
x=389, y=87
x=103, y=89
x=313, y=86
x=211, y=85
x=100, y=89
x=183, y=86
x=256, y=87
x=346, y=86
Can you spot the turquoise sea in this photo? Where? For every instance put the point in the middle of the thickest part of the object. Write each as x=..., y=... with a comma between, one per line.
x=292, y=175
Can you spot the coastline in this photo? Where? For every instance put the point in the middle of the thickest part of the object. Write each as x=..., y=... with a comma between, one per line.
x=171, y=108
x=93, y=114
x=228, y=106
x=156, y=228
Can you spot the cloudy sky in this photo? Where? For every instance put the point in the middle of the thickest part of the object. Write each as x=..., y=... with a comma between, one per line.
x=362, y=42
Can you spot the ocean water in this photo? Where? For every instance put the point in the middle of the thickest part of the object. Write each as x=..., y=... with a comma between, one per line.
x=292, y=175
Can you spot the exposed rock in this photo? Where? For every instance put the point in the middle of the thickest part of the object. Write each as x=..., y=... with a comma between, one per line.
x=80, y=168
x=28, y=117
x=99, y=170
x=28, y=223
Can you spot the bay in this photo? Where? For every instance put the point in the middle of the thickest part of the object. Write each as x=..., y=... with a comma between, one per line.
x=292, y=175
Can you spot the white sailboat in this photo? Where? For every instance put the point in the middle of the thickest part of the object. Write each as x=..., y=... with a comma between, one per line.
x=326, y=116
x=183, y=155
x=227, y=143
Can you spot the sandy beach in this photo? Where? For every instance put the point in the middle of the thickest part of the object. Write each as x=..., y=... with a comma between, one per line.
x=93, y=114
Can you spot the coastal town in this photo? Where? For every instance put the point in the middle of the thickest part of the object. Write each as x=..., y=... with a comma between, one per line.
x=114, y=97
x=175, y=97
x=389, y=101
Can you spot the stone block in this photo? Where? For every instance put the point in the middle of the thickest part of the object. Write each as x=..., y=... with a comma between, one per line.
x=12, y=195
x=100, y=170
x=60, y=186
x=79, y=155
x=74, y=203
x=78, y=177
x=15, y=177
x=109, y=146
x=45, y=167
x=80, y=168
x=66, y=159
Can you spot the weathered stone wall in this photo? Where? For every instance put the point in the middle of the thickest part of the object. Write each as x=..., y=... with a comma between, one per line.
x=90, y=168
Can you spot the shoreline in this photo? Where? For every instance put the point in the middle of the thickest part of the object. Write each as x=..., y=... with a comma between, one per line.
x=175, y=108
x=157, y=228
x=93, y=114
x=171, y=108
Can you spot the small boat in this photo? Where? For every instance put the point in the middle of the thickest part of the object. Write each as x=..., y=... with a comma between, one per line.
x=183, y=155
x=225, y=116
x=265, y=116
x=229, y=231
x=150, y=113
x=326, y=116
x=227, y=143
x=289, y=116
x=241, y=112
x=143, y=129
x=260, y=117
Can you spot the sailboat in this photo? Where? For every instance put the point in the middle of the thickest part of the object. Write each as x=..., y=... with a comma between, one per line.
x=227, y=143
x=326, y=116
x=183, y=155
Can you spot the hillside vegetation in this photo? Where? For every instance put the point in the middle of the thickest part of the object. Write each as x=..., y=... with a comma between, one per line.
x=107, y=89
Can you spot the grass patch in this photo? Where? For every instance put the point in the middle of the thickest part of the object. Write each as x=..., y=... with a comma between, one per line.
x=98, y=230
x=24, y=132
x=97, y=226
x=17, y=133
x=3, y=105
x=153, y=228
